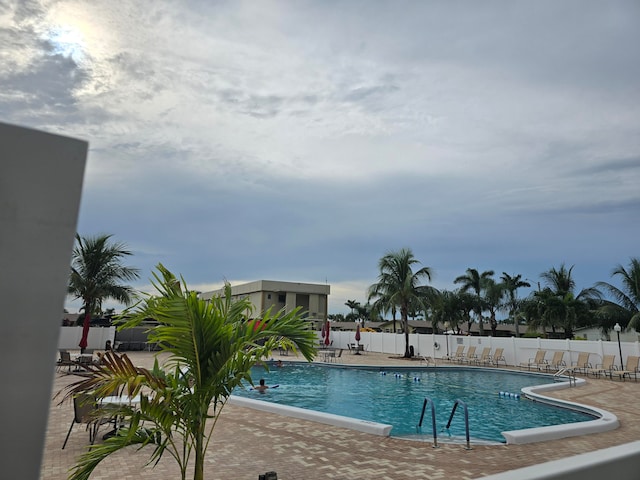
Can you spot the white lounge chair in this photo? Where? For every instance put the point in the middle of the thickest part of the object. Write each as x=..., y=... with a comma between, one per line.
x=538, y=362
x=603, y=368
x=496, y=358
x=582, y=364
x=557, y=362
x=631, y=368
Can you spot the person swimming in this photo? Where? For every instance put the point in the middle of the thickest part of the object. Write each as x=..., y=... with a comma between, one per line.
x=261, y=387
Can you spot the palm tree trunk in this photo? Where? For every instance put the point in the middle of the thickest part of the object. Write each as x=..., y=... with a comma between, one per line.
x=494, y=324
x=405, y=323
x=198, y=470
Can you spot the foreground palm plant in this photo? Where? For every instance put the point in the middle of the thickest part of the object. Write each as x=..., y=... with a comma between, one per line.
x=212, y=347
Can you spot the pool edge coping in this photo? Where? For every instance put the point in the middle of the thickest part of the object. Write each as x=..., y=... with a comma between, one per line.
x=364, y=426
x=604, y=422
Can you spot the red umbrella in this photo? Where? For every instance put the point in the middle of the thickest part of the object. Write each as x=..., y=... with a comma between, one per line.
x=326, y=335
x=358, y=334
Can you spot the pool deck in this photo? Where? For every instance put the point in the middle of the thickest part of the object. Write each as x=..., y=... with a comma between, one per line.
x=247, y=442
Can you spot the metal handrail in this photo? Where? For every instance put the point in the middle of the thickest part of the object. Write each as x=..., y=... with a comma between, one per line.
x=568, y=372
x=466, y=419
x=433, y=419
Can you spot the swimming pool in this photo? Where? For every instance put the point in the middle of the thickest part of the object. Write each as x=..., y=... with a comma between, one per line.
x=395, y=396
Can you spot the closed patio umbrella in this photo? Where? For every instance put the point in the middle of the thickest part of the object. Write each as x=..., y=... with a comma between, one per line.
x=358, y=339
x=327, y=341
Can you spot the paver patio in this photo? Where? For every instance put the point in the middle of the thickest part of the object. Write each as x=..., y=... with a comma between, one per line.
x=247, y=443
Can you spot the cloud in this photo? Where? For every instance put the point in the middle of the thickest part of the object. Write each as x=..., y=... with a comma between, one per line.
x=301, y=141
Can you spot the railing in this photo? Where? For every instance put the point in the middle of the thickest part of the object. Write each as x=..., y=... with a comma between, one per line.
x=466, y=419
x=433, y=419
x=568, y=372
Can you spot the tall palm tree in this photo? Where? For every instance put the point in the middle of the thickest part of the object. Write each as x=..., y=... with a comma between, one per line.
x=558, y=305
x=96, y=273
x=398, y=285
x=512, y=284
x=494, y=293
x=446, y=309
x=352, y=304
x=211, y=346
x=559, y=281
x=476, y=282
x=627, y=298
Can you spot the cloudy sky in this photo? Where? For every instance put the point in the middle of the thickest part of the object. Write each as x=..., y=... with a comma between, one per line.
x=303, y=140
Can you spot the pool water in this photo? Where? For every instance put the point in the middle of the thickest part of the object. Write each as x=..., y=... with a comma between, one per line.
x=395, y=397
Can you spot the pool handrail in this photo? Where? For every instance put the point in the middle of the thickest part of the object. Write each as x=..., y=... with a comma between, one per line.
x=433, y=419
x=466, y=419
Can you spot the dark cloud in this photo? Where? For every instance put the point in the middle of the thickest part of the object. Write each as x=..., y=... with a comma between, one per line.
x=620, y=165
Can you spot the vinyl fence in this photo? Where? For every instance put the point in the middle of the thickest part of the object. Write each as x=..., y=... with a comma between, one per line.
x=516, y=350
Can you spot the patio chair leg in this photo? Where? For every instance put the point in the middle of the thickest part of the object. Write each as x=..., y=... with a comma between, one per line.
x=68, y=433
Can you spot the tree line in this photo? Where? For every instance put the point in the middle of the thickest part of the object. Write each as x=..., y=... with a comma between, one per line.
x=97, y=273
x=555, y=305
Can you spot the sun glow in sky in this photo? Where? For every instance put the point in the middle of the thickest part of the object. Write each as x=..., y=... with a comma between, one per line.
x=67, y=42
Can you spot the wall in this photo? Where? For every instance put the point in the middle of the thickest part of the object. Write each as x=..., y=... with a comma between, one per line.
x=621, y=462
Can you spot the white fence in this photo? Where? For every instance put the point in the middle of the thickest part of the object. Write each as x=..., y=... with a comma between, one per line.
x=69, y=337
x=516, y=350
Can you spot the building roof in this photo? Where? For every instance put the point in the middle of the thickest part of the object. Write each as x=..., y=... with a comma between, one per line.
x=272, y=286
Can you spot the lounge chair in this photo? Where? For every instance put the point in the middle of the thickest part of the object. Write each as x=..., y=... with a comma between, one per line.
x=557, y=362
x=458, y=354
x=603, y=368
x=582, y=364
x=65, y=361
x=470, y=356
x=537, y=362
x=631, y=368
x=485, y=356
x=427, y=360
x=496, y=358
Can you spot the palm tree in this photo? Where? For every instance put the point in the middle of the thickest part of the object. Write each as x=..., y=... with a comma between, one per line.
x=492, y=299
x=559, y=281
x=626, y=299
x=446, y=310
x=96, y=271
x=476, y=282
x=512, y=284
x=352, y=304
x=558, y=305
x=398, y=285
x=212, y=347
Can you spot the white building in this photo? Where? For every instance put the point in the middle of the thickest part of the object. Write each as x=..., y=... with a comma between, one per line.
x=264, y=294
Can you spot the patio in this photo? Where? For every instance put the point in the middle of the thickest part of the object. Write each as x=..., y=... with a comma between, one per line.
x=298, y=449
